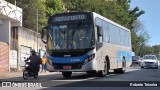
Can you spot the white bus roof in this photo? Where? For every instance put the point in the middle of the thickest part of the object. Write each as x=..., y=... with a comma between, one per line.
x=112, y=22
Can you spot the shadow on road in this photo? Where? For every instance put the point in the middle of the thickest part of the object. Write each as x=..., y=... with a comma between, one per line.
x=83, y=79
x=58, y=76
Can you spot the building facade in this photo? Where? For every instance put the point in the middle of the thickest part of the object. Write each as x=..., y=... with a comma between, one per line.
x=15, y=41
x=22, y=41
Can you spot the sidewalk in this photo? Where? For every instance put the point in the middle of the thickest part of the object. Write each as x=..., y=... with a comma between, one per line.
x=6, y=75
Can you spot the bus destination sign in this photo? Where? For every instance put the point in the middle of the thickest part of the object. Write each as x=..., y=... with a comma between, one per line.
x=69, y=18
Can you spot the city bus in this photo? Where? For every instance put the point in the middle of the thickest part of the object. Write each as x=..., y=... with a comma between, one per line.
x=86, y=42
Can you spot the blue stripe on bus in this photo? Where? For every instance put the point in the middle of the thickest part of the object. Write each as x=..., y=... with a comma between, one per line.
x=62, y=60
x=127, y=56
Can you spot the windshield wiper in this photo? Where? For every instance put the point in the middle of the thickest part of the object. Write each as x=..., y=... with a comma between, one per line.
x=51, y=39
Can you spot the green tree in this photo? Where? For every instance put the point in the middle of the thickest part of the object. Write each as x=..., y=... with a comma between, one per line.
x=156, y=50
x=54, y=7
x=30, y=13
x=106, y=8
x=142, y=37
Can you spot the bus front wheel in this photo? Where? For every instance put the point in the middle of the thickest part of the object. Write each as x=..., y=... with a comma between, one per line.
x=67, y=74
x=104, y=72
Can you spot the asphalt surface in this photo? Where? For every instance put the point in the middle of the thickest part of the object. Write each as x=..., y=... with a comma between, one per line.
x=85, y=81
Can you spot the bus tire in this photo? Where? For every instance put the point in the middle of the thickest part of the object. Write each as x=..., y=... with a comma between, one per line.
x=123, y=69
x=104, y=72
x=67, y=74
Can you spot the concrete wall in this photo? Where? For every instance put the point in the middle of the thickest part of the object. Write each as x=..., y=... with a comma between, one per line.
x=28, y=38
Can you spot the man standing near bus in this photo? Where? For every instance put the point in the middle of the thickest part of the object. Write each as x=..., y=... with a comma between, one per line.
x=44, y=59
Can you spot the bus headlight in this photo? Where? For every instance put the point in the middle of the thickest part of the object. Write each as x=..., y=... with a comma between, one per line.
x=89, y=58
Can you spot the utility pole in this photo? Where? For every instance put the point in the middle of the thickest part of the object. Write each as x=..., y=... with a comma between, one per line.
x=37, y=27
x=15, y=2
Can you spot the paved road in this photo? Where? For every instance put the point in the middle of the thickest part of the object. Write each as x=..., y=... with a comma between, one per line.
x=86, y=81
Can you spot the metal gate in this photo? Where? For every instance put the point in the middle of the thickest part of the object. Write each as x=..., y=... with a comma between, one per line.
x=13, y=59
x=24, y=53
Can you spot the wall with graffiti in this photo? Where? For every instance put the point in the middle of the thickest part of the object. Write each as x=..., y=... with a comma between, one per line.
x=10, y=10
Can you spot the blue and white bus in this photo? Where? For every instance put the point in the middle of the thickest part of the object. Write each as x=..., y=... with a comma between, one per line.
x=86, y=42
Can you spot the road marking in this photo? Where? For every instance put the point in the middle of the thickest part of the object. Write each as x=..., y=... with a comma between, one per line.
x=77, y=79
x=134, y=69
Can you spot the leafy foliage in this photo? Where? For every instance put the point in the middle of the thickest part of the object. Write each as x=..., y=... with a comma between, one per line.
x=54, y=7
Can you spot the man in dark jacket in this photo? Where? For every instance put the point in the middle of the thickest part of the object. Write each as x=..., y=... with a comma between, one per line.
x=34, y=60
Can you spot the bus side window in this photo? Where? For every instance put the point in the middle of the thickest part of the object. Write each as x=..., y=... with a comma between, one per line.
x=99, y=37
x=99, y=34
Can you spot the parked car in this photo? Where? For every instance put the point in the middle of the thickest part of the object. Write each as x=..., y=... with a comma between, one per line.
x=136, y=60
x=149, y=61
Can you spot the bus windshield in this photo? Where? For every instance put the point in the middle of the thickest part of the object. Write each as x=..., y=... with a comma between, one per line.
x=78, y=35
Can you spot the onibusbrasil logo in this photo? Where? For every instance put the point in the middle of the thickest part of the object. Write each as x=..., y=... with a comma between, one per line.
x=21, y=84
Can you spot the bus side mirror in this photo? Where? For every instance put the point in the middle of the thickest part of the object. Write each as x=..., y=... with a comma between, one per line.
x=44, y=35
x=100, y=31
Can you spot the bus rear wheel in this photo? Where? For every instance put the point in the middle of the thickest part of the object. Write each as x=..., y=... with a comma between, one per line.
x=104, y=72
x=123, y=69
x=67, y=74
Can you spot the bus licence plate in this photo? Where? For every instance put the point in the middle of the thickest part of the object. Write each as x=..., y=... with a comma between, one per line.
x=67, y=67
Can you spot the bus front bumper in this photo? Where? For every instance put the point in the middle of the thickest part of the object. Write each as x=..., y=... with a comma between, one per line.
x=79, y=67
